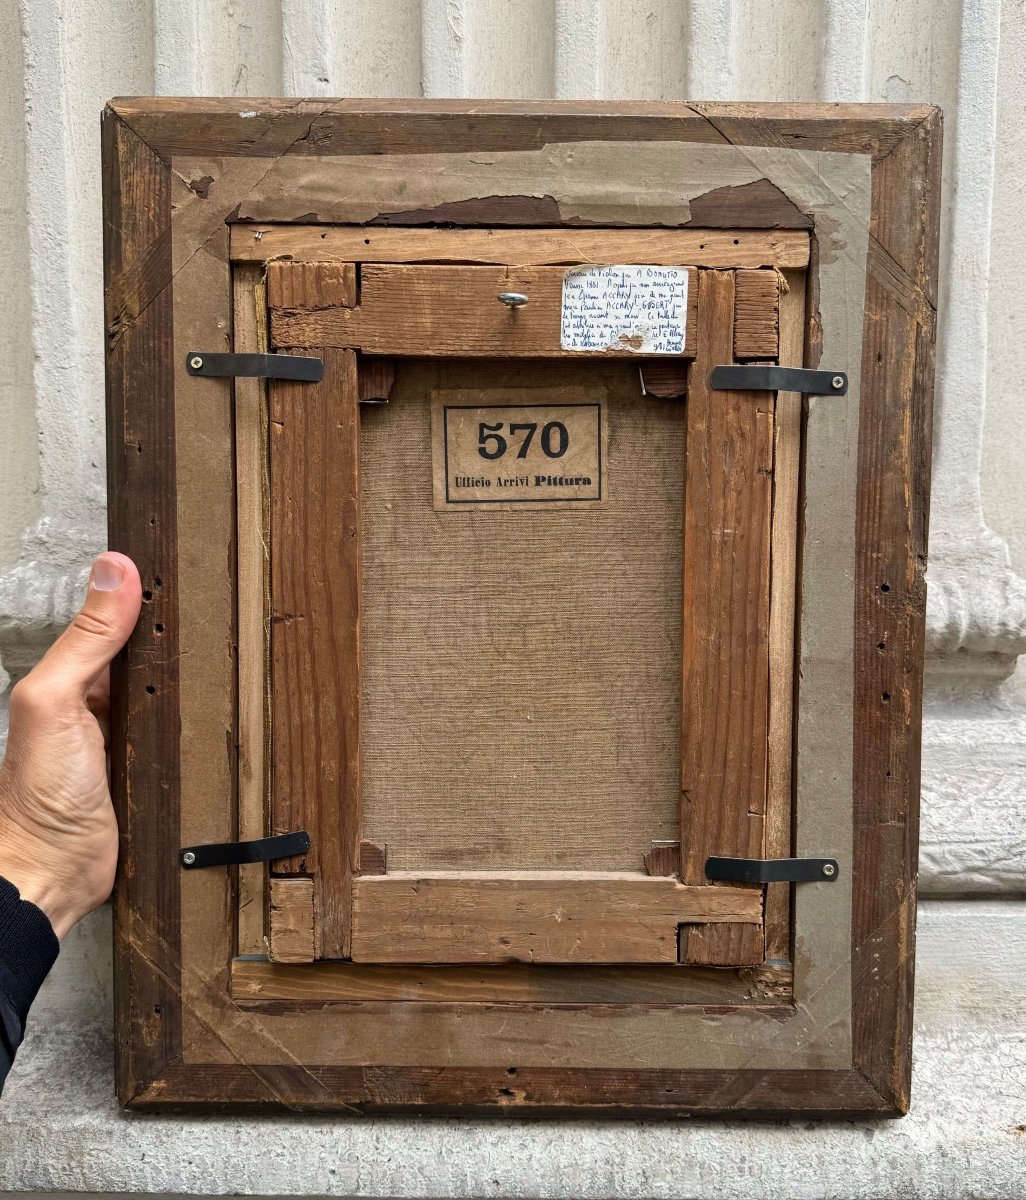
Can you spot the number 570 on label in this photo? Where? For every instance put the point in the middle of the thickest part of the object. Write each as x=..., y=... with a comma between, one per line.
x=492, y=444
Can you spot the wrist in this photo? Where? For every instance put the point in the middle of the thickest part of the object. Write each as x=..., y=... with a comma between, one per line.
x=36, y=885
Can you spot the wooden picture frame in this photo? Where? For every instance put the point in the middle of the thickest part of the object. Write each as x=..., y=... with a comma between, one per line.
x=195, y=186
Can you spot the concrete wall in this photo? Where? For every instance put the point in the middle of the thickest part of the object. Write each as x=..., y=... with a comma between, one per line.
x=61, y=59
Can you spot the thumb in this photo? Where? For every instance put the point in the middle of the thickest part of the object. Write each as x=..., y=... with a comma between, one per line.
x=99, y=629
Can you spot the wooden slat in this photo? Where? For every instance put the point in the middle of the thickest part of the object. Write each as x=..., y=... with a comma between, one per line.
x=256, y=980
x=253, y=579
x=782, y=248
x=292, y=937
x=783, y=584
x=895, y=435
x=145, y=680
x=665, y=378
x=377, y=378
x=755, y=314
x=447, y=311
x=373, y=858
x=315, y=653
x=524, y=916
x=663, y=858
x=321, y=128
x=725, y=621
x=311, y=285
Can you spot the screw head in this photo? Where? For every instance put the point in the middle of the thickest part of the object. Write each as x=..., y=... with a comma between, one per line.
x=838, y=382
x=829, y=870
x=195, y=362
x=188, y=858
x=513, y=299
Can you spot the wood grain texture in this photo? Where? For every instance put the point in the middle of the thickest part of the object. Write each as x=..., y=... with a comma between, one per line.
x=783, y=656
x=663, y=859
x=523, y=916
x=664, y=378
x=376, y=377
x=514, y=1090
x=257, y=981
x=782, y=248
x=905, y=143
x=315, y=647
x=895, y=429
x=142, y=512
x=174, y=125
x=448, y=311
x=756, y=331
x=292, y=923
x=252, y=572
x=311, y=285
x=373, y=858
x=727, y=505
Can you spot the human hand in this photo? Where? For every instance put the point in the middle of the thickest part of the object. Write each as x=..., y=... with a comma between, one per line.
x=58, y=832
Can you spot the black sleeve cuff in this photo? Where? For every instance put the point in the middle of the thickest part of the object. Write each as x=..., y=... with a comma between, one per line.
x=28, y=948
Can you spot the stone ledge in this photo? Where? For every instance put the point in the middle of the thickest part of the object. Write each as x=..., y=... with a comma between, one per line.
x=965, y=1137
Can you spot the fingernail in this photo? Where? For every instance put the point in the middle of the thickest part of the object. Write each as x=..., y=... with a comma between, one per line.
x=106, y=575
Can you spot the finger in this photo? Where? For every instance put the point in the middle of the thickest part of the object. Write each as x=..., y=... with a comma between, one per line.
x=99, y=629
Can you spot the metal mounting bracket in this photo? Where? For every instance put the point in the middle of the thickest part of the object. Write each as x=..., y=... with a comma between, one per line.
x=255, y=366
x=772, y=870
x=226, y=854
x=778, y=379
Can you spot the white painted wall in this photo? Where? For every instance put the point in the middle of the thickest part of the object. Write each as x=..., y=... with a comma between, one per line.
x=61, y=59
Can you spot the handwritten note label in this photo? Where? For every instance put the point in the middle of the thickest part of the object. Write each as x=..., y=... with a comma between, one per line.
x=643, y=309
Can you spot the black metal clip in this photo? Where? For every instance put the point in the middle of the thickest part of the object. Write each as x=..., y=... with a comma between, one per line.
x=778, y=379
x=255, y=366
x=772, y=870
x=226, y=854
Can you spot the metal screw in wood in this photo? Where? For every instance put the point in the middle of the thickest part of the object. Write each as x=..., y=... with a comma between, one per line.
x=513, y=299
x=828, y=870
x=196, y=362
x=188, y=858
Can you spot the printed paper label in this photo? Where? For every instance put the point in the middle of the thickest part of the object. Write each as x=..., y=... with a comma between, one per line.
x=643, y=309
x=532, y=454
